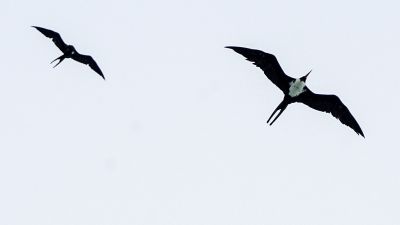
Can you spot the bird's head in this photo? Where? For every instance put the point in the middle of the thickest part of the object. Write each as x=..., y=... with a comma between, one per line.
x=304, y=78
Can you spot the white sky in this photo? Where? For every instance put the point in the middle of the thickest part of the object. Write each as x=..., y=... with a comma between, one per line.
x=177, y=134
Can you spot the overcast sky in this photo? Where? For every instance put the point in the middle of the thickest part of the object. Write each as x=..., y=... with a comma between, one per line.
x=177, y=133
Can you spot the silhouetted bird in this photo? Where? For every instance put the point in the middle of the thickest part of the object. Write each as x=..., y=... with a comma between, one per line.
x=69, y=51
x=295, y=90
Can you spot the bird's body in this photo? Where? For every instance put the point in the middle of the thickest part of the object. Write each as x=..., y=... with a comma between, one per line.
x=69, y=51
x=295, y=90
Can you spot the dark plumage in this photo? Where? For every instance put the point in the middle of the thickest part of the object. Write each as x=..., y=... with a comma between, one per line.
x=69, y=51
x=295, y=90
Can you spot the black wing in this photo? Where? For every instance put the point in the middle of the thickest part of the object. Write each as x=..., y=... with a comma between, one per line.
x=331, y=104
x=88, y=60
x=54, y=36
x=268, y=63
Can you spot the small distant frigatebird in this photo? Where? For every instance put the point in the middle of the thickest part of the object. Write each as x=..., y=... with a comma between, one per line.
x=295, y=90
x=69, y=51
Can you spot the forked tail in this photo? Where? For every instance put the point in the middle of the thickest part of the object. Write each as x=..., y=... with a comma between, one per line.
x=61, y=58
x=282, y=106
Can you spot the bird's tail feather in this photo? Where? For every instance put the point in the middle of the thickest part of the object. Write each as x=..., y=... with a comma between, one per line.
x=281, y=107
x=61, y=58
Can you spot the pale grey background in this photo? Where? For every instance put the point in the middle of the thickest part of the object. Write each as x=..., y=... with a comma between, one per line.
x=177, y=133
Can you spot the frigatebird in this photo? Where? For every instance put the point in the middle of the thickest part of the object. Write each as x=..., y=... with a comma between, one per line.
x=69, y=51
x=295, y=90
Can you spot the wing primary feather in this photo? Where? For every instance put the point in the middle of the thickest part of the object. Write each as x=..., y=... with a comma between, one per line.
x=268, y=63
x=88, y=60
x=56, y=37
x=333, y=105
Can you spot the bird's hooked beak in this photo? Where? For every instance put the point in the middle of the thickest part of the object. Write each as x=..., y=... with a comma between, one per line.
x=304, y=78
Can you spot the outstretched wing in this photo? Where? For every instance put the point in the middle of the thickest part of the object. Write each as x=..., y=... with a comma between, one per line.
x=54, y=36
x=268, y=63
x=88, y=60
x=331, y=104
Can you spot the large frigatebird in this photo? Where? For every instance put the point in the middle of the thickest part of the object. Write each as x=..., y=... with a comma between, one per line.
x=295, y=90
x=69, y=51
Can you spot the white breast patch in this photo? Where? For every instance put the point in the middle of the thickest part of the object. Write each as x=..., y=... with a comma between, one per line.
x=296, y=87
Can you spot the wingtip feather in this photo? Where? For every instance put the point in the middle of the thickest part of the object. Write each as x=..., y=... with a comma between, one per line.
x=232, y=47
